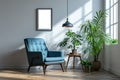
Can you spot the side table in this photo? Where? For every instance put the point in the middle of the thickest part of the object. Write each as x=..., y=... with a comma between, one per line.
x=73, y=55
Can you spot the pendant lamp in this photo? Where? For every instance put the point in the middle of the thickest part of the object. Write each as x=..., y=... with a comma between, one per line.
x=67, y=23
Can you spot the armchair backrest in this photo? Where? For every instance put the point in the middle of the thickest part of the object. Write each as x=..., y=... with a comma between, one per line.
x=36, y=45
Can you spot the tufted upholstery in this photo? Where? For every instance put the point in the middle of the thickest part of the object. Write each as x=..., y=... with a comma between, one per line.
x=36, y=45
x=38, y=53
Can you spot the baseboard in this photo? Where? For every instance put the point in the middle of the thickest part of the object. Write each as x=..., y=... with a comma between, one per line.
x=32, y=67
x=13, y=67
x=106, y=68
x=116, y=72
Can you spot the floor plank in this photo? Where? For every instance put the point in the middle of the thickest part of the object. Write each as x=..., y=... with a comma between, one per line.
x=56, y=75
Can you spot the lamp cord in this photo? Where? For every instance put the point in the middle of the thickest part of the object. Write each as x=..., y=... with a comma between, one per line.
x=67, y=10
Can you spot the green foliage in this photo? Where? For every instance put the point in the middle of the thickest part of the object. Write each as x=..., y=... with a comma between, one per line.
x=94, y=34
x=72, y=40
x=114, y=41
x=86, y=63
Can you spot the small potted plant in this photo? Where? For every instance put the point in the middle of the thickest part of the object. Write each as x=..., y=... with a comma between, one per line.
x=86, y=65
x=72, y=40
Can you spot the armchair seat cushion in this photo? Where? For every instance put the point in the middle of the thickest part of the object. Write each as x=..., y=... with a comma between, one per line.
x=49, y=59
x=54, y=62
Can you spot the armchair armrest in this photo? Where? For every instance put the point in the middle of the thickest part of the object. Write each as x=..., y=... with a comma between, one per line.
x=55, y=54
x=35, y=56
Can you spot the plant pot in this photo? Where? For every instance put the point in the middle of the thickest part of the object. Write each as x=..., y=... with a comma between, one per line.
x=86, y=68
x=74, y=51
x=96, y=65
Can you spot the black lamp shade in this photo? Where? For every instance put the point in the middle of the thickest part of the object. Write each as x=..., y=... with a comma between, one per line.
x=67, y=24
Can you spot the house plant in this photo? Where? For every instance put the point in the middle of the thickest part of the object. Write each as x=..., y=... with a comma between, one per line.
x=95, y=36
x=72, y=40
x=86, y=65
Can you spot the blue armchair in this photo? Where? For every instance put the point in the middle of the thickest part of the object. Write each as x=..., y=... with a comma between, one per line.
x=39, y=55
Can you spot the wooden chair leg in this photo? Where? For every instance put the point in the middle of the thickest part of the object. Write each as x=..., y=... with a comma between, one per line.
x=28, y=68
x=44, y=69
x=62, y=67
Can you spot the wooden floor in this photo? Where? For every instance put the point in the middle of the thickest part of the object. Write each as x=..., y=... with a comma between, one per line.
x=56, y=75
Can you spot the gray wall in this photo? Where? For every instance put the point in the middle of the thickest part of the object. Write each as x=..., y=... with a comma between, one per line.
x=112, y=53
x=17, y=21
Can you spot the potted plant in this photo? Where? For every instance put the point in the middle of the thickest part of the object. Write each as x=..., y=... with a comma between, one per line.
x=95, y=36
x=86, y=65
x=72, y=40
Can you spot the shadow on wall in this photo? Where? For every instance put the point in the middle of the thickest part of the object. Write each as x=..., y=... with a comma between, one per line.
x=15, y=59
x=18, y=22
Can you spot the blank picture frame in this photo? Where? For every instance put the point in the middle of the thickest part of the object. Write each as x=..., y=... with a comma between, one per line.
x=44, y=19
